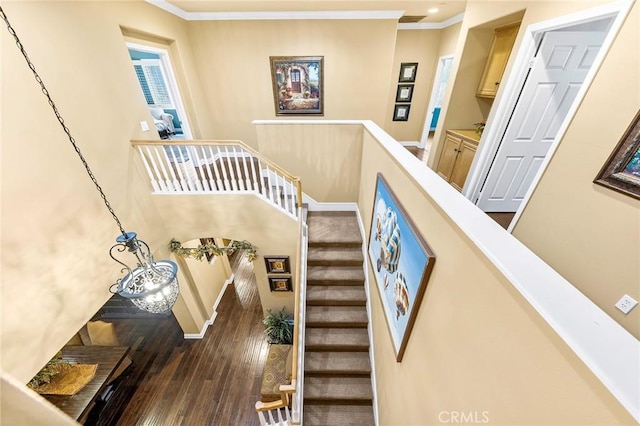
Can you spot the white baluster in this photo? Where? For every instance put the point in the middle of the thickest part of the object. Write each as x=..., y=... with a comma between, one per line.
x=212, y=182
x=202, y=179
x=247, y=177
x=238, y=171
x=263, y=421
x=188, y=168
x=176, y=165
x=279, y=200
x=287, y=202
x=154, y=182
x=255, y=177
x=262, y=187
x=271, y=419
x=232, y=172
x=270, y=189
x=219, y=183
x=280, y=420
x=172, y=182
x=227, y=186
x=163, y=178
x=286, y=412
x=176, y=182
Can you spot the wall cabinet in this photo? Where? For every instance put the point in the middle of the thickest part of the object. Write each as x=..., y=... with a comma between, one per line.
x=503, y=41
x=457, y=154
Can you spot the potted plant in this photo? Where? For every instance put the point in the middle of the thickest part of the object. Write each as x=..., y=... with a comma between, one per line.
x=278, y=326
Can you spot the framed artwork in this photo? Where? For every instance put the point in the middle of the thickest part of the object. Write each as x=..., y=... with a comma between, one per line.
x=408, y=72
x=298, y=87
x=401, y=112
x=404, y=92
x=401, y=261
x=280, y=284
x=277, y=264
x=621, y=171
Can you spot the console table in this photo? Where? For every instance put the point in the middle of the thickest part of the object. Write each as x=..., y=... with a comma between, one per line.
x=108, y=359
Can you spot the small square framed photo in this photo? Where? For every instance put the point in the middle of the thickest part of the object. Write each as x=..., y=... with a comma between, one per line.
x=408, y=72
x=401, y=112
x=404, y=93
x=280, y=284
x=277, y=264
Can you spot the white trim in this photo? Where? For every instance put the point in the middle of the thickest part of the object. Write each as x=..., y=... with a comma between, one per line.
x=409, y=143
x=269, y=16
x=367, y=289
x=432, y=25
x=499, y=117
x=210, y=321
x=609, y=351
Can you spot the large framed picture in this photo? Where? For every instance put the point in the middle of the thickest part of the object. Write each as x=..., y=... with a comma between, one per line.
x=621, y=171
x=402, y=262
x=298, y=87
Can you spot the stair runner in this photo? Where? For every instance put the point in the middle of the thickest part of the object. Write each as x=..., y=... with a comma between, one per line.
x=337, y=376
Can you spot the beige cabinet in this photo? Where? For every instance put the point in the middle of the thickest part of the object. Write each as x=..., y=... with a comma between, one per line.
x=503, y=41
x=457, y=154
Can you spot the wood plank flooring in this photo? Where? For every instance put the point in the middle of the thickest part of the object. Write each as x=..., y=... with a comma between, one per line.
x=213, y=381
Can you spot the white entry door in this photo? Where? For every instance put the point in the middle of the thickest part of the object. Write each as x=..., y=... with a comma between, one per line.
x=557, y=72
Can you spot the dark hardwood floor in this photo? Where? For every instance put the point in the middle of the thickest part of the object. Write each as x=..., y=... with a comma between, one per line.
x=213, y=381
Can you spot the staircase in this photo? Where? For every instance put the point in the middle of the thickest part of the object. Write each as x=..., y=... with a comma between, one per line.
x=337, y=371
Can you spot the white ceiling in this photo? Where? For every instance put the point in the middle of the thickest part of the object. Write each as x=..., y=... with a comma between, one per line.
x=209, y=9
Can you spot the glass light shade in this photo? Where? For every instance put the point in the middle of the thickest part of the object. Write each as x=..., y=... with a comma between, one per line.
x=152, y=287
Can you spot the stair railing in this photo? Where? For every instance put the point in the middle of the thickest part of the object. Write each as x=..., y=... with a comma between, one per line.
x=291, y=395
x=215, y=167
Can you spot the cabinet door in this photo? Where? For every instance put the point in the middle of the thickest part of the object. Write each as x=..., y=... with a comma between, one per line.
x=448, y=156
x=463, y=164
x=503, y=41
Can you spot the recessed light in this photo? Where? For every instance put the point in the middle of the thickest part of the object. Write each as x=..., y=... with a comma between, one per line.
x=433, y=10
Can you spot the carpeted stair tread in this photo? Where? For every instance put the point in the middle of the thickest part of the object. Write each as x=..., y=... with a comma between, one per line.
x=345, y=389
x=326, y=228
x=343, y=415
x=336, y=275
x=347, y=363
x=336, y=295
x=337, y=339
x=336, y=316
x=335, y=256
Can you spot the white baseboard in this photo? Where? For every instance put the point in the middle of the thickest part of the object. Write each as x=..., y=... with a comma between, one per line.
x=315, y=206
x=410, y=143
x=210, y=321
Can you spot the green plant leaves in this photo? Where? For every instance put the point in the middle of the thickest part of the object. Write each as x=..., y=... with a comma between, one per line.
x=278, y=326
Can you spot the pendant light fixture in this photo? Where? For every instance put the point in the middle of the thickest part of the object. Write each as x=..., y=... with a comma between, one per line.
x=151, y=285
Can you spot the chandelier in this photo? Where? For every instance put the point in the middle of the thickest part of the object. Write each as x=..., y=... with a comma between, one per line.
x=152, y=285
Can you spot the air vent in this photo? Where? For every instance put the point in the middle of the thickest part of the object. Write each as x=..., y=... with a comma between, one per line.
x=411, y=19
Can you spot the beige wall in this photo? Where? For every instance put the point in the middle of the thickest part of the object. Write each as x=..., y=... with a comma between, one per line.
x=449, y=39
x=55, y=232
x=590, y=234
x=419, y=46
x=477, y=345
x=302, y=150
x=233, y=61
x=240, y=218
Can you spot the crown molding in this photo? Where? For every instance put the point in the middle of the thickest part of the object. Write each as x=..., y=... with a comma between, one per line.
x=432, y=25
x=270, y=16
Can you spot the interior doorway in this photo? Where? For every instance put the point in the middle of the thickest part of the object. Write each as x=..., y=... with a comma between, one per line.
x=534, y=105
x=437, y=96
x=158, y=84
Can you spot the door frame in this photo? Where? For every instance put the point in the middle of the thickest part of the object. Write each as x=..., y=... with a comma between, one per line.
x=501, y=114
x=171, y=82
x=432, y=100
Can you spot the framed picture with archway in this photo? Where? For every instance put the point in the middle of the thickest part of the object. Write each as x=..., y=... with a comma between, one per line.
x=298, y=84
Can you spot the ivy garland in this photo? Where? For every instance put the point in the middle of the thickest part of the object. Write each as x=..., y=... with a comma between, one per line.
x=209, y=248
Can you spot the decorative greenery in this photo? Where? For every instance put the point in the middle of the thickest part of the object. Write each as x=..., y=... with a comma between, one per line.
x=53, y=367
x=278, y=326
x=480, y=127
x=209, y=248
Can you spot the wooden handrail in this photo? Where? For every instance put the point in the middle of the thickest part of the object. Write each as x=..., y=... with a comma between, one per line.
x=206, y=142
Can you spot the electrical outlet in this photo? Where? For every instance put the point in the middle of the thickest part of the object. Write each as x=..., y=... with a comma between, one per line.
x=626, y=304
x=144, y=126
